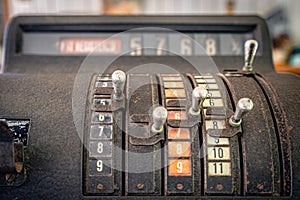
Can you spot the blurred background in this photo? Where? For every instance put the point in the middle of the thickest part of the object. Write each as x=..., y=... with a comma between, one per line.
x=283, y=16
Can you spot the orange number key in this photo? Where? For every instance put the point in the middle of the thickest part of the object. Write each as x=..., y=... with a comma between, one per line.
x=180, y=167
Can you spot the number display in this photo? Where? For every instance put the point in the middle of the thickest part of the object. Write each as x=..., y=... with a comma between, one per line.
x=161, y=45
x=235, y=44
x=199, y=43
x=185, y=47
x=211, y=48
x=136, y=46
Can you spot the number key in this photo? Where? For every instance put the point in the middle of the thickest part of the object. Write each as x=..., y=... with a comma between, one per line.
x=179, y=149
x=213, y=103
x=104, y=84
x=218, y=153
x=100, y=167
x=219, y=169
x=209, y=86
x=102, y=102
x=176, y=115
x=217, y=141
x=215, y=124
x=100, y=148
x=178, y=133
x=180, y=167
x=102, y=117
x=101, y=132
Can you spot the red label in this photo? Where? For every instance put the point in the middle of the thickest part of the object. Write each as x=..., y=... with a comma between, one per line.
x=89, y=45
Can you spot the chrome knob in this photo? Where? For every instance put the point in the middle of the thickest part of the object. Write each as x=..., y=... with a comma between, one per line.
x=250, y=52
x=243, y=106
x=198, y=96
x=159, y=117
x=118, y=80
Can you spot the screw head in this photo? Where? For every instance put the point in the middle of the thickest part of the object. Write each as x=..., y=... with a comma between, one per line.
x=179, y=186
x=100, y=186
x=219, y=186
x=140, y=186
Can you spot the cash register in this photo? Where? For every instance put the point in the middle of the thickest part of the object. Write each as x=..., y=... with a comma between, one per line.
x=130, y=107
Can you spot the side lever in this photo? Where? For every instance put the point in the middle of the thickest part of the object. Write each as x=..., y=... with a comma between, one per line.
x=118, y=80
x=159, y=116
x=198, y=96
x=243, y=106
x=250, y=52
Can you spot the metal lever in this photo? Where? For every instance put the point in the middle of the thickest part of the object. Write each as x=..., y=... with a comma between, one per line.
x=118, y=80
x=198, y=96
x=250, y=51
x=159, y=116
x=243, y=106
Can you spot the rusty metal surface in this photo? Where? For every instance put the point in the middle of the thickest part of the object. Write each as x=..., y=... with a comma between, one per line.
x=183, y=185
x=197, y=167
x=110, y=184
x=259, y=145
x=283, y=131
x=142, y=97
x=221, y=185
